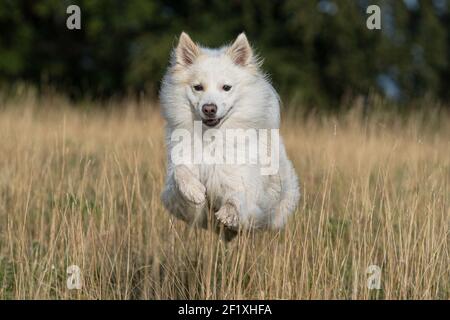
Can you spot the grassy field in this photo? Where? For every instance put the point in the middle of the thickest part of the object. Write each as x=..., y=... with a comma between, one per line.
x=81, y=187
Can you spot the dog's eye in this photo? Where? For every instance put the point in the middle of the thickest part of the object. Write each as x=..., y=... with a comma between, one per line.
x=198, y=87
x=226, y=87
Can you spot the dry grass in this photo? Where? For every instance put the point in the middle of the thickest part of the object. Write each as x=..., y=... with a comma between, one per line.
x=82, y=187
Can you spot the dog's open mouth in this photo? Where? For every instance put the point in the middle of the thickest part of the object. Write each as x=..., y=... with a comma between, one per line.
x=211, y=122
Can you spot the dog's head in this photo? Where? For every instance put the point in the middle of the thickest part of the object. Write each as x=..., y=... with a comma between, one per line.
x=212, y=80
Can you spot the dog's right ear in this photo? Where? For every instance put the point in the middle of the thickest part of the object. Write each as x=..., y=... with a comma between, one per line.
x=240, y=51
x=187, y=51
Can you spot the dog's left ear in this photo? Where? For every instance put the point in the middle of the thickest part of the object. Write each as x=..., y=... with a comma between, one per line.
x=240, y=51
x=187, y=51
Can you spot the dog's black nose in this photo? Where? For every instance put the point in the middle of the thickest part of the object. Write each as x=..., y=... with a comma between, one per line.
x=209, y=109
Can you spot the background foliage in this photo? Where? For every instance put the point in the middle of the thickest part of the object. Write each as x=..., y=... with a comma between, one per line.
x=317, y=52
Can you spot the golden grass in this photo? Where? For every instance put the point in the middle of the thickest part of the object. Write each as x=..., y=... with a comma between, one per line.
x=82, y=187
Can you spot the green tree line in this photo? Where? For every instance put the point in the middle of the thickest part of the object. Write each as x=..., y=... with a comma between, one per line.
x=316, y=52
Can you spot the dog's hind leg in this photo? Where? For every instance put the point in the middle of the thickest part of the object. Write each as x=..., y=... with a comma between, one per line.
x=289, y=197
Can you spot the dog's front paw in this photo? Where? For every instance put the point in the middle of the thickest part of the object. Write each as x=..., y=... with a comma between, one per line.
x=228, y=216
x=190, y=188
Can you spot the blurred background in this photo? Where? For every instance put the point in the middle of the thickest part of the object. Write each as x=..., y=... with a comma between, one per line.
x=319, y=54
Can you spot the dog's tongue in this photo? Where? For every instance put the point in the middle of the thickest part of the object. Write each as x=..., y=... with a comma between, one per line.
x=211, y=122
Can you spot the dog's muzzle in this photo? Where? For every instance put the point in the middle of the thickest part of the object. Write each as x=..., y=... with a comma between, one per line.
x=211, y=122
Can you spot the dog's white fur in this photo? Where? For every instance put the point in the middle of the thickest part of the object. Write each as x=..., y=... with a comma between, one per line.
x=239, y=195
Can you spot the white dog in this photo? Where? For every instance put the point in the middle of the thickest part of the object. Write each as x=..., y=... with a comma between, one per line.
x=224, y=89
